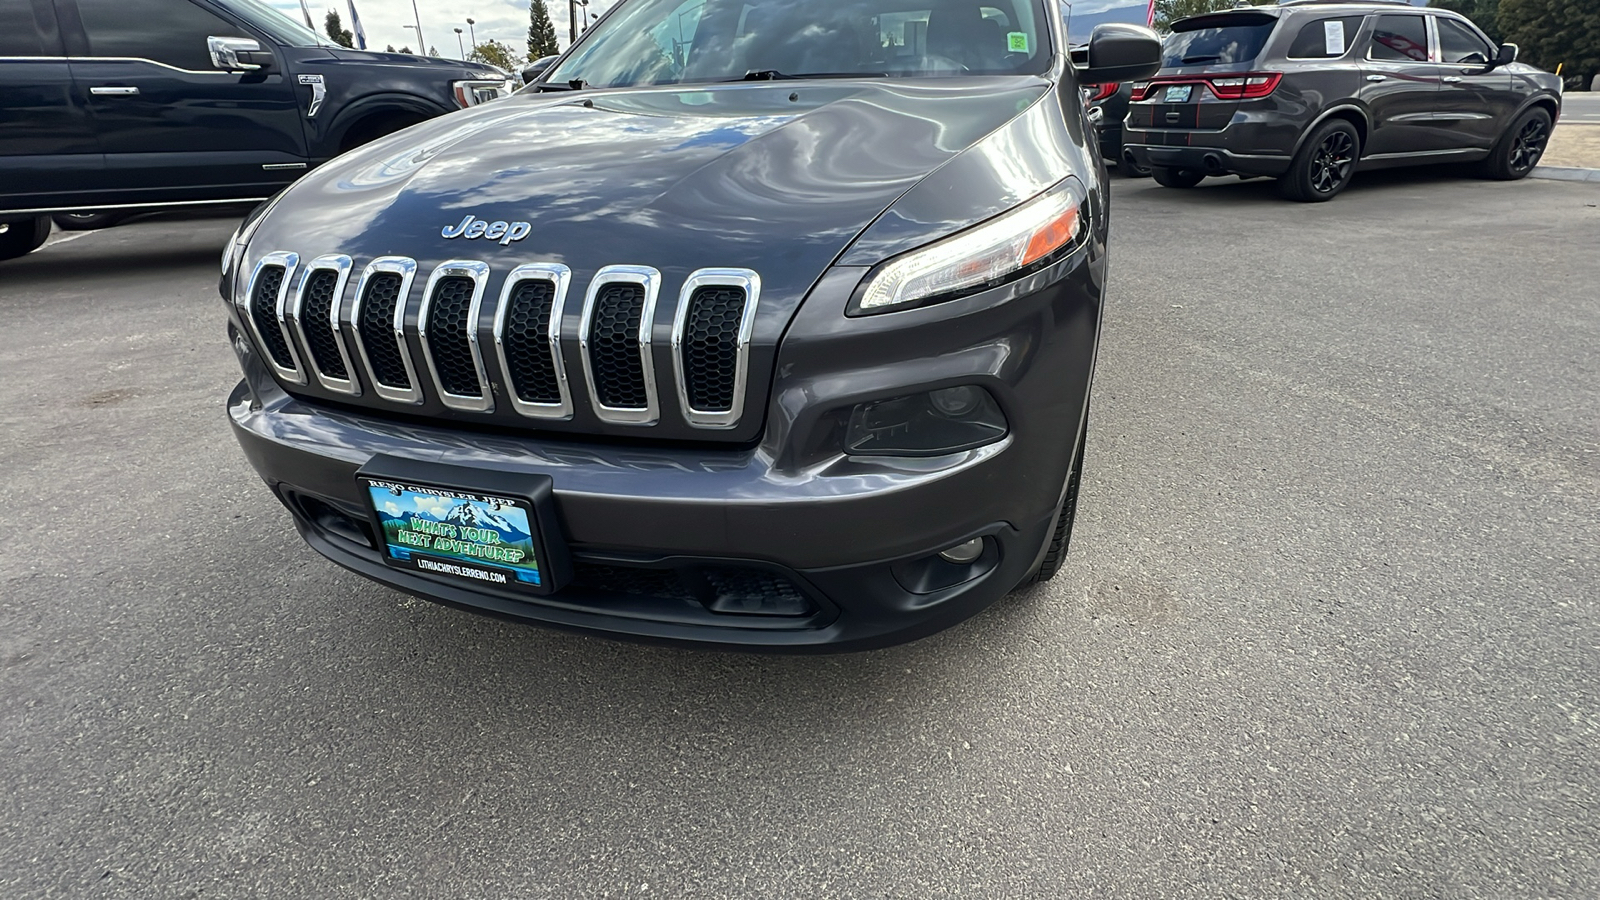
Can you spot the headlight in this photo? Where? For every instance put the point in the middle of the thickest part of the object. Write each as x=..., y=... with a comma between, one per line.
x=1008, y=246
x=475, y=91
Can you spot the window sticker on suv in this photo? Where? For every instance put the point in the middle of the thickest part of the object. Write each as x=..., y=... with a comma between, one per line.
x=1325, y=38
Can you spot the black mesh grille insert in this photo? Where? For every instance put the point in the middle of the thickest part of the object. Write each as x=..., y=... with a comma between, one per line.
x=711, y=347
x=318, y=302
x=614, y=346
x=527, y=344
x=264, y=311
x=377, y=330
x=447, y=336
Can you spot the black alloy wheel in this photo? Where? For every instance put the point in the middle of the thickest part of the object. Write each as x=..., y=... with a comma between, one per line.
x=1521, y=147
x=88, y=221
x=1324, y=164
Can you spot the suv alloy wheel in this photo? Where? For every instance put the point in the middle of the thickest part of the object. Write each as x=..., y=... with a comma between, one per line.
x=1520, y=148
x=1324, y=164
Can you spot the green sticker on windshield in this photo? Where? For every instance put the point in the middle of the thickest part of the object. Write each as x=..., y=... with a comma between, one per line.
x=1017, y=42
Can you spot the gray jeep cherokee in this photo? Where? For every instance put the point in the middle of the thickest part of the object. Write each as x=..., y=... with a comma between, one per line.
x=1310, y=92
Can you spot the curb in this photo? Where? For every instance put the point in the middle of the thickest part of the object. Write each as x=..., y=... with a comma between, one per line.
x=1565, y=173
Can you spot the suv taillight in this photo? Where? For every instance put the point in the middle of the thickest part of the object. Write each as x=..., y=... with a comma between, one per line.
x=1098, y=92
x=1248, y=86
x=1245, y=87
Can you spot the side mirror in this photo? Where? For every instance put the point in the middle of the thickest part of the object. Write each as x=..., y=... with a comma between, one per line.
x=236, y=54
x=1120, y=52
x=533, y=70
x=1506, y=56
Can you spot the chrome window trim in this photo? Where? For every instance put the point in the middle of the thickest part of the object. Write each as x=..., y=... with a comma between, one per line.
x=650, y=281
x=479, y=273
x=406, y=268
x=342, y=265
x=289, y=261
x=97, y=59
x=750, y=282
x=561, y=277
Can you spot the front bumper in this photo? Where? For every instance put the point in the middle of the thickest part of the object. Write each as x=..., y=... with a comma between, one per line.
x=849, y=543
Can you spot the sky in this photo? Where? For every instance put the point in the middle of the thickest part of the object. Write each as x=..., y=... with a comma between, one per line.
x=507, y=20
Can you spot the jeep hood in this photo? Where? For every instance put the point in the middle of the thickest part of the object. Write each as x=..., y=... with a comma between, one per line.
x=778, y=177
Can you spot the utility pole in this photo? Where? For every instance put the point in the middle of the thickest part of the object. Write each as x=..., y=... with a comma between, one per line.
x=422, y=45
x=460, y=51
x=472, y=32
x=572, y=21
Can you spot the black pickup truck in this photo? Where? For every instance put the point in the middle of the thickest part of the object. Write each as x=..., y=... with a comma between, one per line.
x=110, y=106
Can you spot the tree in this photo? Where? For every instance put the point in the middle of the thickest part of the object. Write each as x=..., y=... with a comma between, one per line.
x=389, y=48
x=1552, y=33
x=495, y=54
x=406, y=49
x=336, y=30
x=541, y=32
x=433, y=51
x=1169, y=11
x=1483, y=13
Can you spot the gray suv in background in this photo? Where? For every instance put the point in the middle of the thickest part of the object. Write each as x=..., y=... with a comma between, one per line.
x=1310, y=92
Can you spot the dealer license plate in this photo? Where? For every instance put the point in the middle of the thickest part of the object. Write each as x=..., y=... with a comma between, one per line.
x=487, y=539
x=1177, y=93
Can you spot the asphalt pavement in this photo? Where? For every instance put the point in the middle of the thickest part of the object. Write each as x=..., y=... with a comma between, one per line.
x=1328, y=626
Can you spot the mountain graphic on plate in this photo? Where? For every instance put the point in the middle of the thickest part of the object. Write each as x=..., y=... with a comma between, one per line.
x=472, y=516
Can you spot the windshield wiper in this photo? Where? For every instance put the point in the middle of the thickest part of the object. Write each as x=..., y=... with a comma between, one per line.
x=775, y=75
x=1200, y=59
x=576, y=84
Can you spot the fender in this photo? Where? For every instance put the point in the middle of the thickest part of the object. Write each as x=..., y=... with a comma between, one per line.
x=1327, y=114
x=326, y=145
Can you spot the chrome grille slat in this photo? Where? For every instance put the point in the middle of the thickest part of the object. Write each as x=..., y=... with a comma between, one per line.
x=710, y=354
x=622, y=347
x=263, y=309
x=447, y=325
x=380, y=328
x=527, y=340
x=315, y=315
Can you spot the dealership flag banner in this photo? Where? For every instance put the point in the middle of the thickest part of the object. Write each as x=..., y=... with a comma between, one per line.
x=1150, y=15
x=355, y=25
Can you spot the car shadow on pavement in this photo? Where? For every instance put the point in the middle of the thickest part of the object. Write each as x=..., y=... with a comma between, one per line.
x=1264, y=190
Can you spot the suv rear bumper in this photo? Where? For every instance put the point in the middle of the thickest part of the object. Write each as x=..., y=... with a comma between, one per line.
x=1212, y=160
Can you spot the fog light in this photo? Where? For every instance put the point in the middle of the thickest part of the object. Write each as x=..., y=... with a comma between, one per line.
x=963, y=553
x=928, y=424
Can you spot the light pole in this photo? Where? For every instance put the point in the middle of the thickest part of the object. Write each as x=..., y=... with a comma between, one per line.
x=422, y=45
x=473, y=33
x=418, y=30
x=459, y=51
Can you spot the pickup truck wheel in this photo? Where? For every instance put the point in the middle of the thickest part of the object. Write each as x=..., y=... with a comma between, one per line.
x=1061, y=534
x=1176, y=178
x=21, y=238
x=88, y=221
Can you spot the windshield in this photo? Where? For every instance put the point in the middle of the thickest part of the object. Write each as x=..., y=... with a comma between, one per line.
x=682, y=41
x=1230, y=39
x=273, y=22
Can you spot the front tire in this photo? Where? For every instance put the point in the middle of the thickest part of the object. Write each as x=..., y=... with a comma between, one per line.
x=1520, y=148
x=1176, y=178
x=22, y=238
x=1324, y=165
x=1061, y=535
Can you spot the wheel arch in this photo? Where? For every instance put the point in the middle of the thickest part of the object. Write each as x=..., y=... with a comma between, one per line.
x=1350, y=112
x=374, y=108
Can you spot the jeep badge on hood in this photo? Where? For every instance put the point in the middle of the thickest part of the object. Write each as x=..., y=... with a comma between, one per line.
x=473, y=228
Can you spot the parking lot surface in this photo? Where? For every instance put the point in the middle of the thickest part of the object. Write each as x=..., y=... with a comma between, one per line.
x=1328, y=626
